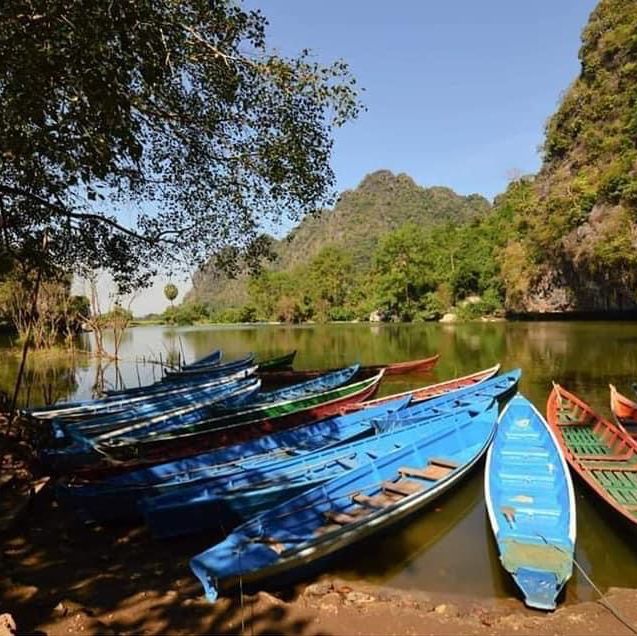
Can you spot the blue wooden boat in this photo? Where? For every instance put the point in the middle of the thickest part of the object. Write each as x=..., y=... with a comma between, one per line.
x=531, y=505
x=144, y=414
x=279, y=362
x=314, y=526
x=210, y=371
x=218, y=503
x=118, y=496
x=116, y=403
x=206, y=361
x=253, y=402
x=196, y=423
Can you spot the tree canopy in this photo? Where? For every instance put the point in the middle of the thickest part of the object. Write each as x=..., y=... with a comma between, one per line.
x=147, y=134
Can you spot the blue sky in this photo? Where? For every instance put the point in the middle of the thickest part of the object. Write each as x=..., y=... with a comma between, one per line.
x=457, y=92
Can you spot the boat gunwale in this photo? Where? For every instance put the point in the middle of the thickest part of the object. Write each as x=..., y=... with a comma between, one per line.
x=339, y=539
x=585, y=472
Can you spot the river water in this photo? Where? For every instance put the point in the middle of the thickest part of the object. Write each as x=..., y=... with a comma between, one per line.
x=449, y=548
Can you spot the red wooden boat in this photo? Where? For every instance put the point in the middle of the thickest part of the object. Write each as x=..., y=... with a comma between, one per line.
x=624, y=410
x=276, y=377
x=431, y=390
x=602, y=454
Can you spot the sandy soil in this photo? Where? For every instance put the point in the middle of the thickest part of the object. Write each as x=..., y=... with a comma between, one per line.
x=60, y=577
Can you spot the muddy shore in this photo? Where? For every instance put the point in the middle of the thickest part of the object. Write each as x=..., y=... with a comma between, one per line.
x=60, y=577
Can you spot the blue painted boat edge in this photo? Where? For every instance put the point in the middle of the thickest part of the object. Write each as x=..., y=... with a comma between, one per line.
x=304, y=554
x=530, y=581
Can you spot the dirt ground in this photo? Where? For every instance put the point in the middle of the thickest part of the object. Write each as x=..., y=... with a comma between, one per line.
x=59, y=576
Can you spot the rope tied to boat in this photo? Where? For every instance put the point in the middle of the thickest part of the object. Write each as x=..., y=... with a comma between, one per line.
x=602, y=598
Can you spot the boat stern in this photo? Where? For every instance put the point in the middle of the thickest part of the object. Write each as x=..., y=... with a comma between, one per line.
x=540, y=589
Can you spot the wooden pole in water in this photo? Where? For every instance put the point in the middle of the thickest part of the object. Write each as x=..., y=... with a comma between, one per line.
x=183, y=355
x=27, y=339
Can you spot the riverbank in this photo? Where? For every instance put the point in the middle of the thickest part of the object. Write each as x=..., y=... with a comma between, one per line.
x=61, y=576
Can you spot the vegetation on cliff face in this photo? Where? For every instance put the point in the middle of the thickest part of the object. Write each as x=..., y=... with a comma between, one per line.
x=383, y=202
x=575, y=223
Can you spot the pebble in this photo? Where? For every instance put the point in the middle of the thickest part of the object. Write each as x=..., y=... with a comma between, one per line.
x=7, y=625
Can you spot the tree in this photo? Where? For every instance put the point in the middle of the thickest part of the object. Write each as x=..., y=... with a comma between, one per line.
x=174, y=115
x=329, y=280
x=171, y=291
x=401, y=269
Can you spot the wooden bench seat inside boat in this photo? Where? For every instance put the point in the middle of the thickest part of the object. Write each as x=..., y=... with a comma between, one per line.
x=381, y=500
x=435, y=470
x=404, y=488
x=600, y=466
x=605, y=458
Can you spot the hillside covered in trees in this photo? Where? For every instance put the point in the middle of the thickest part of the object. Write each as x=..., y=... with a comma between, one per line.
x=563, y=240
x=343, y=238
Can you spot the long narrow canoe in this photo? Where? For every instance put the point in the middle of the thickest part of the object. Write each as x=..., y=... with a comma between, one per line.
x=191, y=412
x=118, y=495
x=209, y=360
x=280, y=398
x=147, y=414
x=265, y=415
x=602, y=454
x=441, y=388
x=120, y=453
x=531, y=504
x=624, y=410
x=218, y=503
x=281, y=362
x=209, y=371
x=187, y=382
x=394, y=368
x=86, y=409
x=328, y=519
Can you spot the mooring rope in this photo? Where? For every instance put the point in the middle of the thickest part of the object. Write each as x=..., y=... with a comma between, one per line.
x=604, y=601
x=602, y=598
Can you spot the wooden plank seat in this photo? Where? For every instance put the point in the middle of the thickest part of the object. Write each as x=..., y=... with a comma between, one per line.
x=340, y=517
x=381, y=500
x=404, y=488
x=435, y=470
x=605, y=458
x=595, y=466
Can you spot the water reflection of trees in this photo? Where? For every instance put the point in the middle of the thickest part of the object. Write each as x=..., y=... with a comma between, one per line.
x=48, y=377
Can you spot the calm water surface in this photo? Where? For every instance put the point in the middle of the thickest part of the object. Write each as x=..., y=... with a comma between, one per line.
x=449, y=547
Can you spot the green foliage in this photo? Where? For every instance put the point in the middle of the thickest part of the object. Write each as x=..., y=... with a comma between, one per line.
x=382, y=202
x=175, y=107
x=187, y=314
x=171, y=291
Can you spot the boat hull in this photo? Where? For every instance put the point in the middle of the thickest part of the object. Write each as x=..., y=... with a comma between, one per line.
x=100, y=463
x=598, y=451
x=287, y=538
x=531, y=504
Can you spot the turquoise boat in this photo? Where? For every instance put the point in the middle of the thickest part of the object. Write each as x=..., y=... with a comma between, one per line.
x=307, y=530
x=531, y=504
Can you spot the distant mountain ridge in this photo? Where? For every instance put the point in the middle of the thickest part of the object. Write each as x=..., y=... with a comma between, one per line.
x=382, y=202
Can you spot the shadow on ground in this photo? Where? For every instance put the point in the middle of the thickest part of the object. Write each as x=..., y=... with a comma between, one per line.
x=60, y=576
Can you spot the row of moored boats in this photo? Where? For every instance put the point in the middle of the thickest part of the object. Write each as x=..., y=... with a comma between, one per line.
x=303, y=464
